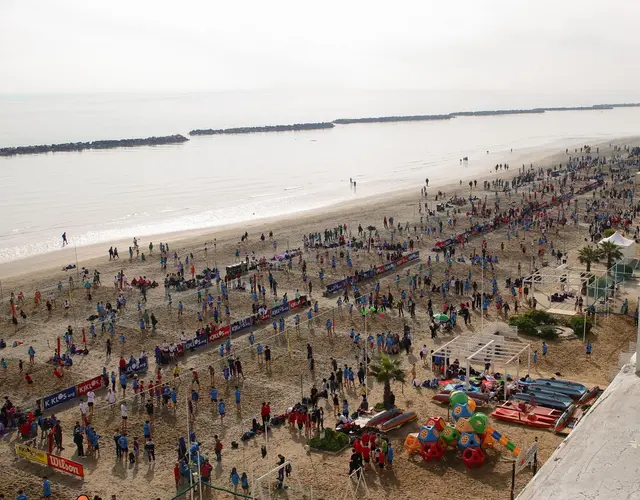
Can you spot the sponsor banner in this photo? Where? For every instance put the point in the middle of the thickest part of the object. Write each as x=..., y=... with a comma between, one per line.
x=295, y=303
x=264, y=314
x=195, y=343
x=32, y=454
x=200, y=341
x=368, y=274
x=379, y=269
x=278, y=310
x=220, y=334
x=59, y=398
x=65, y=465
x=402, y=260
x=334, y=287
x=241, y=324
x=90, y=385
x=413, y=255
x=137, y=365
x=389, y=266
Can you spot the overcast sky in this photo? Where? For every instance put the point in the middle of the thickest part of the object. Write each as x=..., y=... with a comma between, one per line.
x=157, y=45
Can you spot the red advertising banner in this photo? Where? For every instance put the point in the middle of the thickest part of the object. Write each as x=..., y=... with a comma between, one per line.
x=379, y=269
x=90, y=385
x=265, y=315
x=64, y=465
x=295, y=303
x=221, y=333
x=402, y=260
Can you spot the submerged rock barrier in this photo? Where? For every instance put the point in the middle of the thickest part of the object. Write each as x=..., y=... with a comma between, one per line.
x=81, y=146
x=267, y=128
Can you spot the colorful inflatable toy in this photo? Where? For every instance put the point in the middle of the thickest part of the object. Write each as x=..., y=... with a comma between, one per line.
x=470, y=434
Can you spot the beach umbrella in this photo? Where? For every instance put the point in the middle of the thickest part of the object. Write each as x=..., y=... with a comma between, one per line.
x=441, y=317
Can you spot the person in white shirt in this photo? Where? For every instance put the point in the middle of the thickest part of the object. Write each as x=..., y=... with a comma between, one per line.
x=123, y=414
x=91, y=397
x=111, y=399
x=83, y=408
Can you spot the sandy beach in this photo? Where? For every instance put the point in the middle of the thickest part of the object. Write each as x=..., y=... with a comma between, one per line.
x=315, y=475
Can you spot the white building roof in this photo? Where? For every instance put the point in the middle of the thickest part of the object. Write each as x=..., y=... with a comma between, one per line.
x=601, y=456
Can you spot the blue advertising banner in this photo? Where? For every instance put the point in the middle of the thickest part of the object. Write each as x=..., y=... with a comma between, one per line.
x=334, y=287
x=369, y=274
x=137, y=365
x=241, y=324
x=413, y=255
x=200, y=341
x=195, y=342
x=281, y=309
x=389, y=266
x=59, y=398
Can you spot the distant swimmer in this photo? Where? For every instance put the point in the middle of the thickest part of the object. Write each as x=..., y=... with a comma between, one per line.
x=64, y=239
x=354, y=185
x=427, y=181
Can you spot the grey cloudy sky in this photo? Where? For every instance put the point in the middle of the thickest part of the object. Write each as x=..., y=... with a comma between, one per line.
x=158, y=45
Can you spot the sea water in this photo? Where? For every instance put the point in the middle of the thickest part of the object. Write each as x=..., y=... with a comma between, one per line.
x=210, y=181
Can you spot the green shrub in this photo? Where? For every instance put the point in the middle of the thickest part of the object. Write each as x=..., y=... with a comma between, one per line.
x=608, y=232
x=379, y=407
x=332, y=441
x=525, y=325
x=577, y=323
x=548, y=333
x=540, y=317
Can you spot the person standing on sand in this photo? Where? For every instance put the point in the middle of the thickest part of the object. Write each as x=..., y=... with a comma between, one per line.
x=150, y=449
x=221, y=411
x=46, y=487
x=64, y=239
x=267, y=357
x=218, y=448
x=123, y=414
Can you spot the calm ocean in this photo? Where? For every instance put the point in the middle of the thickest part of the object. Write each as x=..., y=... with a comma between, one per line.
x=102, y=196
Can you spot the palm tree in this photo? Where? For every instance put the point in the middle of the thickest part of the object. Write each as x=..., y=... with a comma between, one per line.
x=385, y=371
x=589, y=255
x=611, y=251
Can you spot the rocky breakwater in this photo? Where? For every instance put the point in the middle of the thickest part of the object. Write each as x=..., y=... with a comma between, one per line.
x=267, y=128
x=383, y=119
x=81, y=146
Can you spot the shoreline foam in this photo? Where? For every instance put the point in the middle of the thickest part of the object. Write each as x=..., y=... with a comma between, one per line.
x=90, y=255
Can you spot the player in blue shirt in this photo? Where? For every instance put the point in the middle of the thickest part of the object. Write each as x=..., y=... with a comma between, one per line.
x=237, y=393
x=123, y=383
x=46, y=488
x=221, y=410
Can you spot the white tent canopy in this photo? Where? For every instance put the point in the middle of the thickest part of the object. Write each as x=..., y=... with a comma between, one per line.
x=627, y=246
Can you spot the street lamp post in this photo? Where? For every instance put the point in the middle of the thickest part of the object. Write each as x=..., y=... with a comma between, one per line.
x=484, y=253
